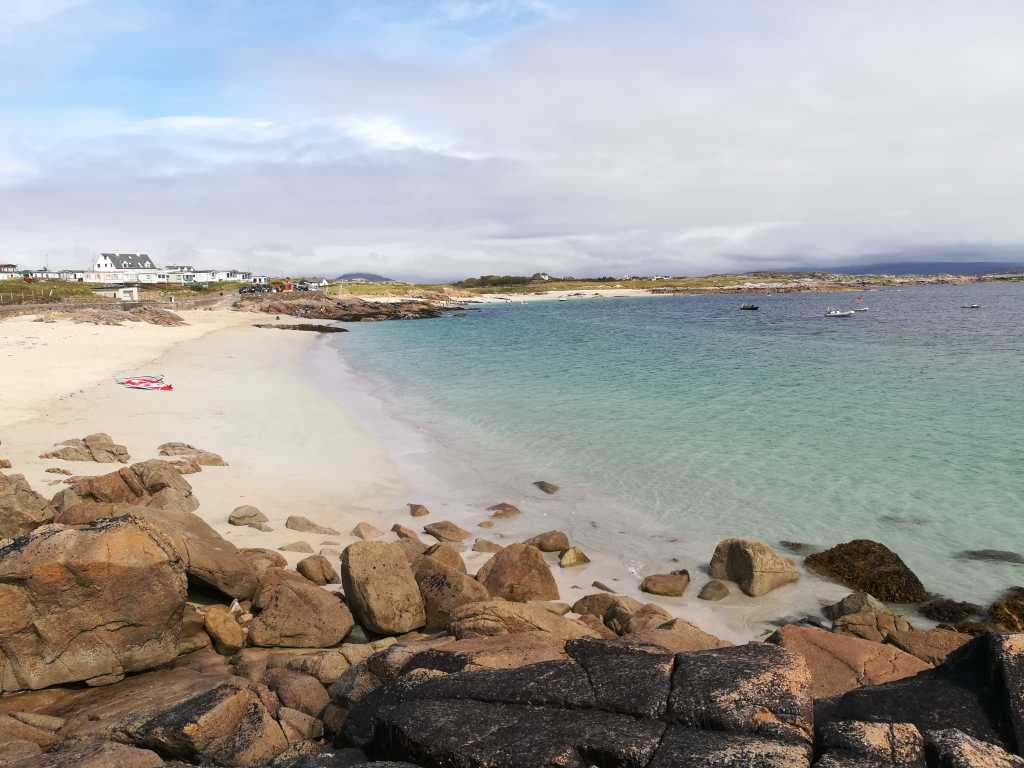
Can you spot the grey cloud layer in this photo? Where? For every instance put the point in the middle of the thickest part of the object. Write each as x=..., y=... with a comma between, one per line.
x=681, y=137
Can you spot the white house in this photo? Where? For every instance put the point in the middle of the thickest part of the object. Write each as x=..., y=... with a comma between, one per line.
x=8, y=271
x=106, y=262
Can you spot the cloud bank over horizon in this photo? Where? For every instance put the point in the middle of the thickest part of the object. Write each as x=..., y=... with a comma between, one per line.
x=436, y=140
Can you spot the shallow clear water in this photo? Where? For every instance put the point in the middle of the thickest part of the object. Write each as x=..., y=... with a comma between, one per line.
x=903, y=424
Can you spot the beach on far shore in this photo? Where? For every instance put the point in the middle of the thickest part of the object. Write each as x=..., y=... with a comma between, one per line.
x=269, y=403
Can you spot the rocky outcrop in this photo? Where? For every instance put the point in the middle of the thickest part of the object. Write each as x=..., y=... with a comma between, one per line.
x=499, y=617
x=755, y=566
x=294, y=613
x=418, y=510
x=979, y=690
x=85, y=604
x=446, y=530
x=609, y=704
x=153, y=483
x=200, y=456
x=381, y=588
x=518, y=573
x=346, y=309
x=444, y=590
x=21, y=508
x=99, y=447
x=672, y=584
x=932, y=646
x=319, y=570
x=305, y=525
x=870, y=567
x=839, y=663
x=248, y=515
x=675, y=636
x=850, y=744
x=950, y=748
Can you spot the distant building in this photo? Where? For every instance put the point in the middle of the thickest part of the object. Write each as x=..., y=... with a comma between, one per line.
x=122, y=261
x=8, y=271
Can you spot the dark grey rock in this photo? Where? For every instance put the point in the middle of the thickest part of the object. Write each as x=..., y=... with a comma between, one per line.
x=756, y=689
x=967, y=692
x=469, y=733
x=685, y=747
x=951, y=748
x=631, y=680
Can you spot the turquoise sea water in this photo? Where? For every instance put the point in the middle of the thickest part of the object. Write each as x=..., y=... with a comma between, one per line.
x=903, y=424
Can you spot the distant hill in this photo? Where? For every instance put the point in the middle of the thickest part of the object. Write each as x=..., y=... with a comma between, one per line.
x=367, y=276
x=930, y=268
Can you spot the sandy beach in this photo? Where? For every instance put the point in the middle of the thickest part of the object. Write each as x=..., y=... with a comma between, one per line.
x=269, y=402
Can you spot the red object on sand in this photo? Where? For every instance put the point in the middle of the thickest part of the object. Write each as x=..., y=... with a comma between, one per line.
x=153, y=383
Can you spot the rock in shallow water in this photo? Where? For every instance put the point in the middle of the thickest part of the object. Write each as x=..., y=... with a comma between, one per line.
x=714, y=590
x=870, y=567
x=672, y=584
x=755, y=566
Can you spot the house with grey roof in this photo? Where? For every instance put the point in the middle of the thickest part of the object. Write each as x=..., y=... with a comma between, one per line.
x=107, y=262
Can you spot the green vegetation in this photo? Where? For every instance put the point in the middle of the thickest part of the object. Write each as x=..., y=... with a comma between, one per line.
x=21, y=291
x=396, y=290
x=189, y=290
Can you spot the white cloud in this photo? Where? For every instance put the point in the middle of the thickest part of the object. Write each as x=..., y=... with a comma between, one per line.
x=671, y=136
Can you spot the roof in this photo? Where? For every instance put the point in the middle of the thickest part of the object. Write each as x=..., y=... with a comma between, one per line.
x=130, y=260
x=8, y=267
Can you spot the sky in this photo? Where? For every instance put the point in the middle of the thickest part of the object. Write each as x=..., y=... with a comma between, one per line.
x=437, y=139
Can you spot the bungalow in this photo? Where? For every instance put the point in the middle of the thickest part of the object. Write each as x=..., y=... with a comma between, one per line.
x=8, y=271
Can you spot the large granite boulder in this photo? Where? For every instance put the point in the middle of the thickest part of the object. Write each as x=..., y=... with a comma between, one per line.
x=447, y=555
x=840, y=663
x=756, y=567
x=381, y=589
x=672, y=584
x=519, y=573
x=870, y=567
x=444, y=590
x=550, y=541
x=21, y=508
x=446, y=530
x=498, y=617
x=155, y=483
x=99, y=447
x=609, y=704
x=292, y=612
x=231, y=724
x=88, y=604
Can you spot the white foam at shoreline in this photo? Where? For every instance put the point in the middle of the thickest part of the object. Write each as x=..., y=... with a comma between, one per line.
x=445, y=469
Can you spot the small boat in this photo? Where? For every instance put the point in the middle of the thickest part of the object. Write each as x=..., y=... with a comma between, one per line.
x=860, y=309
x=563, y=298
x=830, y=312
x=970, y=306
x=749, y=306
